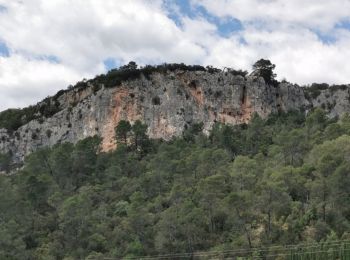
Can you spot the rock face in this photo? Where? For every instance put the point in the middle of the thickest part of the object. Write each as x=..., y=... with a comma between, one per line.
x=167, y=103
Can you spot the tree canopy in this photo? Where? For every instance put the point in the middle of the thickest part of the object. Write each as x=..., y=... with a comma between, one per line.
x=276, y=181
x=265, y=68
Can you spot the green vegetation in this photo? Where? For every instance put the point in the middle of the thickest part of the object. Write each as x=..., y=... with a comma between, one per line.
x=313, y=91
x=280, y=181
x=265, y=68
x=12, y=119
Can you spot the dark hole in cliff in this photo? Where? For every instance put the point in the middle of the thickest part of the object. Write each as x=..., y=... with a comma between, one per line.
x=244, y=93
x=217, y=94
x=187, y=96
x=198, y=92
x=164, y=89
x=277, y=94
x=48, y=133
x=219, y=79
x=132, y=95
x=192, y=84
x=179, y=92
x=156, y=101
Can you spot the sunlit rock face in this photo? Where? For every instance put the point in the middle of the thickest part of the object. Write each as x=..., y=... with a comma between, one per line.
x=167, y=103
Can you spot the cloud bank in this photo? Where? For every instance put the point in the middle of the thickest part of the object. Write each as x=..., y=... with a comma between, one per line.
x=47, y=45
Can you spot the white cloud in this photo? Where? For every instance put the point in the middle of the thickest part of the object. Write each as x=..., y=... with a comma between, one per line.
x=318, y=14
x=298, y=54
x=285, y=32
x=81, y=34
x=25, y=81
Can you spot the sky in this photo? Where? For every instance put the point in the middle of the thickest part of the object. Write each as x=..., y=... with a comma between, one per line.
x=47, y=45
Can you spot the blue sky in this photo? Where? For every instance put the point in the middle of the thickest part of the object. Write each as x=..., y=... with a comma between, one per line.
x=45, y=45
x=225, y=27
x=4, y=51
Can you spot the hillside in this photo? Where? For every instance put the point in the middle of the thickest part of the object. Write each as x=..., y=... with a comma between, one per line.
x=167, y=98
x=235, y=192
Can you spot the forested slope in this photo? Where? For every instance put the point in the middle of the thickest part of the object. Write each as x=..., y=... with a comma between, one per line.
x=282, y=180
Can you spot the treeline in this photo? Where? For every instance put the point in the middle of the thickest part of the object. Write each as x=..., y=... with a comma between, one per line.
x=131, y=71
x=283, y=180
x=315, y=89
x=11, y=119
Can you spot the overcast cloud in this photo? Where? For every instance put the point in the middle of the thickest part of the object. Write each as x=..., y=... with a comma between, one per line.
x=47, y=45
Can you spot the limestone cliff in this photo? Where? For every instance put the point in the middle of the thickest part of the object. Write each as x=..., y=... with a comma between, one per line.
x=167, y=103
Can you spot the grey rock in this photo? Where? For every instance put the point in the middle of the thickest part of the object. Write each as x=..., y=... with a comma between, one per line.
x=167, y=103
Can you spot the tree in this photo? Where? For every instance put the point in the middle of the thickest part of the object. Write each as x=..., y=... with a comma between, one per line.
x=61, y=162
x=122, y=130
x=5, y=162
x=316, y=121
x=328, y=160
x=281, y=180
x=257, y=136
x=192, y=131
x=293, y=146
x=140, y=138
x=130, y=66
x=244, y=173
x=264, y=68
x=84, y=160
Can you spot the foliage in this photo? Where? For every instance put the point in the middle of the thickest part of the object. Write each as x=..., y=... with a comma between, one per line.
x=279, y=181
x=265, y=68
x=122, y=130
x=133, y=136
x=5, y=162
x=315, y=89
x=131, y=71
x=12, y=119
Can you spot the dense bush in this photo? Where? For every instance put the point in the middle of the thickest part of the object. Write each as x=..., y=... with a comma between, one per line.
x=314, y=90
x=12, y=119
x=130, y=71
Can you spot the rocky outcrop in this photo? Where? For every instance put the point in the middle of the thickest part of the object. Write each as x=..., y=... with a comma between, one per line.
x=167, y=103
